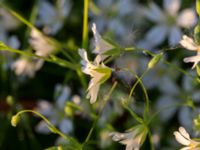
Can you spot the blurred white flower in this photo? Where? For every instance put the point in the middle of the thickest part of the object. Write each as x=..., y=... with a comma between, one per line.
x=183, y=138
x=41, y=44
x=53, y=17
x=132, y=139
x=55, y=112
x=26, y=67
x=101, y=46
x=7, y=21
x=98, y=72
x=172, y=95
x=105, y=138
x=168, y=22
x=114, y=18
x=189, y=44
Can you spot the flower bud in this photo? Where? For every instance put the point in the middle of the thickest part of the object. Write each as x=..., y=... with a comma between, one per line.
x=154, y=60
x=15, y=119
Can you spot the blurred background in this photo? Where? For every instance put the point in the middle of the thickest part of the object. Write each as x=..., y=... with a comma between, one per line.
x=58, y=93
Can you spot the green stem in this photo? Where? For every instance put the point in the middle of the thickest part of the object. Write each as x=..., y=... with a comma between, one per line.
x=82, y=78
x=52, y=59
x=106, y=98
x=133, y=114
x=151, y=139
x=85, y=24
x=47, y=121
x=165, y=61
x=146, y=111
x=134, y=86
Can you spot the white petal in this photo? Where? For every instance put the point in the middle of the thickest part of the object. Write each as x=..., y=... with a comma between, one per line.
x=188, y=43
x=184, y=132
x=187, y=18
x=101, y=45
x=181, y=139
x=172, y=6
x=154, y=13
x=194, y=59
x=93, y=91
x=186, y=148
x=174, y=36
x=157, y=35
x=44, y=107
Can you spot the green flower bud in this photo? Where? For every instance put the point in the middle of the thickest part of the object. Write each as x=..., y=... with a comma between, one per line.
x=154, y=60
x=15, y=119
x=9, y=100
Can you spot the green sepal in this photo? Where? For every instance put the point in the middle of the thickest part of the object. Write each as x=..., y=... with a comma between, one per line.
x=106, y=73
x=115, y=51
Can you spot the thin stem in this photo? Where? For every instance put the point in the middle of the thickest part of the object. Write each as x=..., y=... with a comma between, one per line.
x=146, y=111
x=165, y=61
x=82, y=78
x=151, y=139
x=52, y=59
x=134, y=86
x=106, y=98
x=85, y=24
x=47, y=121
x=133, y=114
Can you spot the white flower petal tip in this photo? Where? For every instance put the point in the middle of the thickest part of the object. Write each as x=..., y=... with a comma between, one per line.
x=183, y=138
x=41, y=44
x=189, y=44
x=101, y=45
x=25, y=67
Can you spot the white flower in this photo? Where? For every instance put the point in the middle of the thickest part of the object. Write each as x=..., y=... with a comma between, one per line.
x=183, y=138
x=41, y=44
x=7, y=21
x=98, y=72
x=24, y=66
x=101, y=46
x=52, y=17
x=133, y=139
x=189, y=44
x=168, y=22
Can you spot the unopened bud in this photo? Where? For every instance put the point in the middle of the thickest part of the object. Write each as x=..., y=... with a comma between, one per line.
x=15, y=119
x=9, y=100
x=154, y=60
